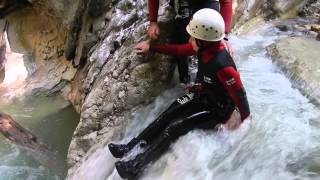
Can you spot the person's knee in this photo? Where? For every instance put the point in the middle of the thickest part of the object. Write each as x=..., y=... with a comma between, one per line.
x=172, y=131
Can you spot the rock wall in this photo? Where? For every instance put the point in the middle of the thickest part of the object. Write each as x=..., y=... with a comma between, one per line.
x=250, y=13
x=116, y=79
x=38, y=33
x=311, y=8
x=297, y=55
x=299, y=59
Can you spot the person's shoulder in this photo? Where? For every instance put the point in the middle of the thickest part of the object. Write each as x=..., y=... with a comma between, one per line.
x=223, y=59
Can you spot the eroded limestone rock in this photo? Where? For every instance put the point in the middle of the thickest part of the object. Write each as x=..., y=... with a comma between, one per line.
x=250, y=13
x=299, y=58
x=115, y=79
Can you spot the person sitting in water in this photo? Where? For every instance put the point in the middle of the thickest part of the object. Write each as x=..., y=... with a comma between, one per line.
x=211, y=101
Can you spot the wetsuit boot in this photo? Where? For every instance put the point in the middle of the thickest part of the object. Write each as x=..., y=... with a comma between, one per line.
x=128, y=170
x=119, y=150
x=149, y=134
x=132, y=168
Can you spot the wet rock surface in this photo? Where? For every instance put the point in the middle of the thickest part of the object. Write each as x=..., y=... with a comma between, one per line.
x=250, y=13
x=117, y=80
x=298, y=57
x=311, y=8
x=307, y=27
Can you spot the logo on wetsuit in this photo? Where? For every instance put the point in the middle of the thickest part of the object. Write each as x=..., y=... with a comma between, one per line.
x=207, y=80
x=185, y=98
x=231, y=81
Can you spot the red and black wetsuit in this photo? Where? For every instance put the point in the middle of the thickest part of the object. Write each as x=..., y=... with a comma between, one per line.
x=221, y=92
x=216, y=72
x=181, y=36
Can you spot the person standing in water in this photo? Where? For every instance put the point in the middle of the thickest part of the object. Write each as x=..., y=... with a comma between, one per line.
x=218, y=92
x=184, y=10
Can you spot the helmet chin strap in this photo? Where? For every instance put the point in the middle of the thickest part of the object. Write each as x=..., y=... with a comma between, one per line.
x=205, y=44
x=198, y=42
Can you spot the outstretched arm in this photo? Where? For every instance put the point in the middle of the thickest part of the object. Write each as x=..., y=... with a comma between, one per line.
x=169, y=49
x=231, y=81
x=174, y=49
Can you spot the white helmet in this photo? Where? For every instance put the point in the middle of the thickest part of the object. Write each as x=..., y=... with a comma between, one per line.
x=206, y=24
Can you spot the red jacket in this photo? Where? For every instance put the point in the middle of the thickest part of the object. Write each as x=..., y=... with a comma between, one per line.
x=226, y=80
x=225, y=11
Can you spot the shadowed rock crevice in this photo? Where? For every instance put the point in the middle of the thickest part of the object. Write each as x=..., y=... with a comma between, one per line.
x=9, y=6
x=81, y=37
x=3, y=50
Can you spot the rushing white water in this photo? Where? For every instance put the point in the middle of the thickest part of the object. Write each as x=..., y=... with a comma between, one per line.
x=16, y=72
x=281, y=142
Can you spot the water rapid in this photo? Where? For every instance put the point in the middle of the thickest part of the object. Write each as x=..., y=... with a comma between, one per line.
x=281, y=141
